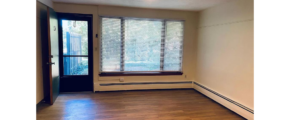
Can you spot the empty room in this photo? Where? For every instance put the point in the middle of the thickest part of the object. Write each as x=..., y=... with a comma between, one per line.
x=144, y=59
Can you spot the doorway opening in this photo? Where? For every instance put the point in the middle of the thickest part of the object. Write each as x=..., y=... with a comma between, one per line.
x=76, y=59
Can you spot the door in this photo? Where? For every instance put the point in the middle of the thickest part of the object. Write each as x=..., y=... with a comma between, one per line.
x=53, y=52
x=76, y=61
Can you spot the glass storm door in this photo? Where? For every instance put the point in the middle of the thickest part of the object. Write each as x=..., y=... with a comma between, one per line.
x=76, y=52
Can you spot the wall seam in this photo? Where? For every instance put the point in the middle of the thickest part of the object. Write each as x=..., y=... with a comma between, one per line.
x=228, y=23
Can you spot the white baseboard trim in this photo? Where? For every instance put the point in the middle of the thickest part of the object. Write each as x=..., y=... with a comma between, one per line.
x=225, y=101
x=144, y=85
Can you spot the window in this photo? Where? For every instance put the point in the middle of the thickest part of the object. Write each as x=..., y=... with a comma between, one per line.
x=140, y=45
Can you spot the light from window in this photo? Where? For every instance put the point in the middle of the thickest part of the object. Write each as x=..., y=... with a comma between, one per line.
x=135, y=44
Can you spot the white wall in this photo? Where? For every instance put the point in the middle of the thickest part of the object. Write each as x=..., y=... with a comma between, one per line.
x=225, y=50
x=39, y=75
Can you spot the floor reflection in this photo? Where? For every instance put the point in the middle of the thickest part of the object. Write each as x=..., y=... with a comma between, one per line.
x=80, y=109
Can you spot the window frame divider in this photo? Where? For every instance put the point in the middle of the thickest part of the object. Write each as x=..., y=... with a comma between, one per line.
x=163, y=32
x=122, y=44
x=75, y=55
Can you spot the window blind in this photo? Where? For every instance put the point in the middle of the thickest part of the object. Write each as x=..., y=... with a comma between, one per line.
x=140, y=45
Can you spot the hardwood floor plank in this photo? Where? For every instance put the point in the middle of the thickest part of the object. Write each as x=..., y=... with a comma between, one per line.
x=135, y=105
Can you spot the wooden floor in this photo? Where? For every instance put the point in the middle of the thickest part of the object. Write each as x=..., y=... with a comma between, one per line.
x=135, y=105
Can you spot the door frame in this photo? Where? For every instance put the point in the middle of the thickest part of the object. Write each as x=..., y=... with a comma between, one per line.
x=89, y=19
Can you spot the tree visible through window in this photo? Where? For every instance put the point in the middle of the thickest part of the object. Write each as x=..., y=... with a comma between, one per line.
x=135, y=44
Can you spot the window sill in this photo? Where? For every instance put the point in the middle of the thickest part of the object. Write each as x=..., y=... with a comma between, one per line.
x=139, y=73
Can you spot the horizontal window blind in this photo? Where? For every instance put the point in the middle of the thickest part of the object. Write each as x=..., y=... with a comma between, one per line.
x=140, y=45
x=111, y=44
x=173, y=46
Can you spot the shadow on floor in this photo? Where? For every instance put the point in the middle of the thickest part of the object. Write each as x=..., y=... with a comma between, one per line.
x=41, y=106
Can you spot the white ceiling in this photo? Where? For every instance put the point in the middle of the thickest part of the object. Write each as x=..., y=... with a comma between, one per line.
x=193, y=5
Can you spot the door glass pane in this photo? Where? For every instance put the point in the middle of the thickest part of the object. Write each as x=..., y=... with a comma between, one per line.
x=75, y=37
x=142, y=45
x=75, y=65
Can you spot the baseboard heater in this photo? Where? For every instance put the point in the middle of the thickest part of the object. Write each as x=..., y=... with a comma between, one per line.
x=225, y=98
x=145, y=83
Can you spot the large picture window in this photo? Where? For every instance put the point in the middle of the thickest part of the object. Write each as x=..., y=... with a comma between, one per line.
x=141, y=45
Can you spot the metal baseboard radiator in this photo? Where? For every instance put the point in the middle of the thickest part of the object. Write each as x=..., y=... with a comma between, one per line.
x=145, y=83
x=225, y=98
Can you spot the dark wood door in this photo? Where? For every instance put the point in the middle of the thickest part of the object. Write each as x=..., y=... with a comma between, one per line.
x=76, y=61
x=53, y=52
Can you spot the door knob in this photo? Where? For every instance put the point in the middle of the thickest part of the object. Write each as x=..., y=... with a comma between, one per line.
x=50, y=63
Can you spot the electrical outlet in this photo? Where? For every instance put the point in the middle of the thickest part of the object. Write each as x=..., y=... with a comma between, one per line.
x=121, y=79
